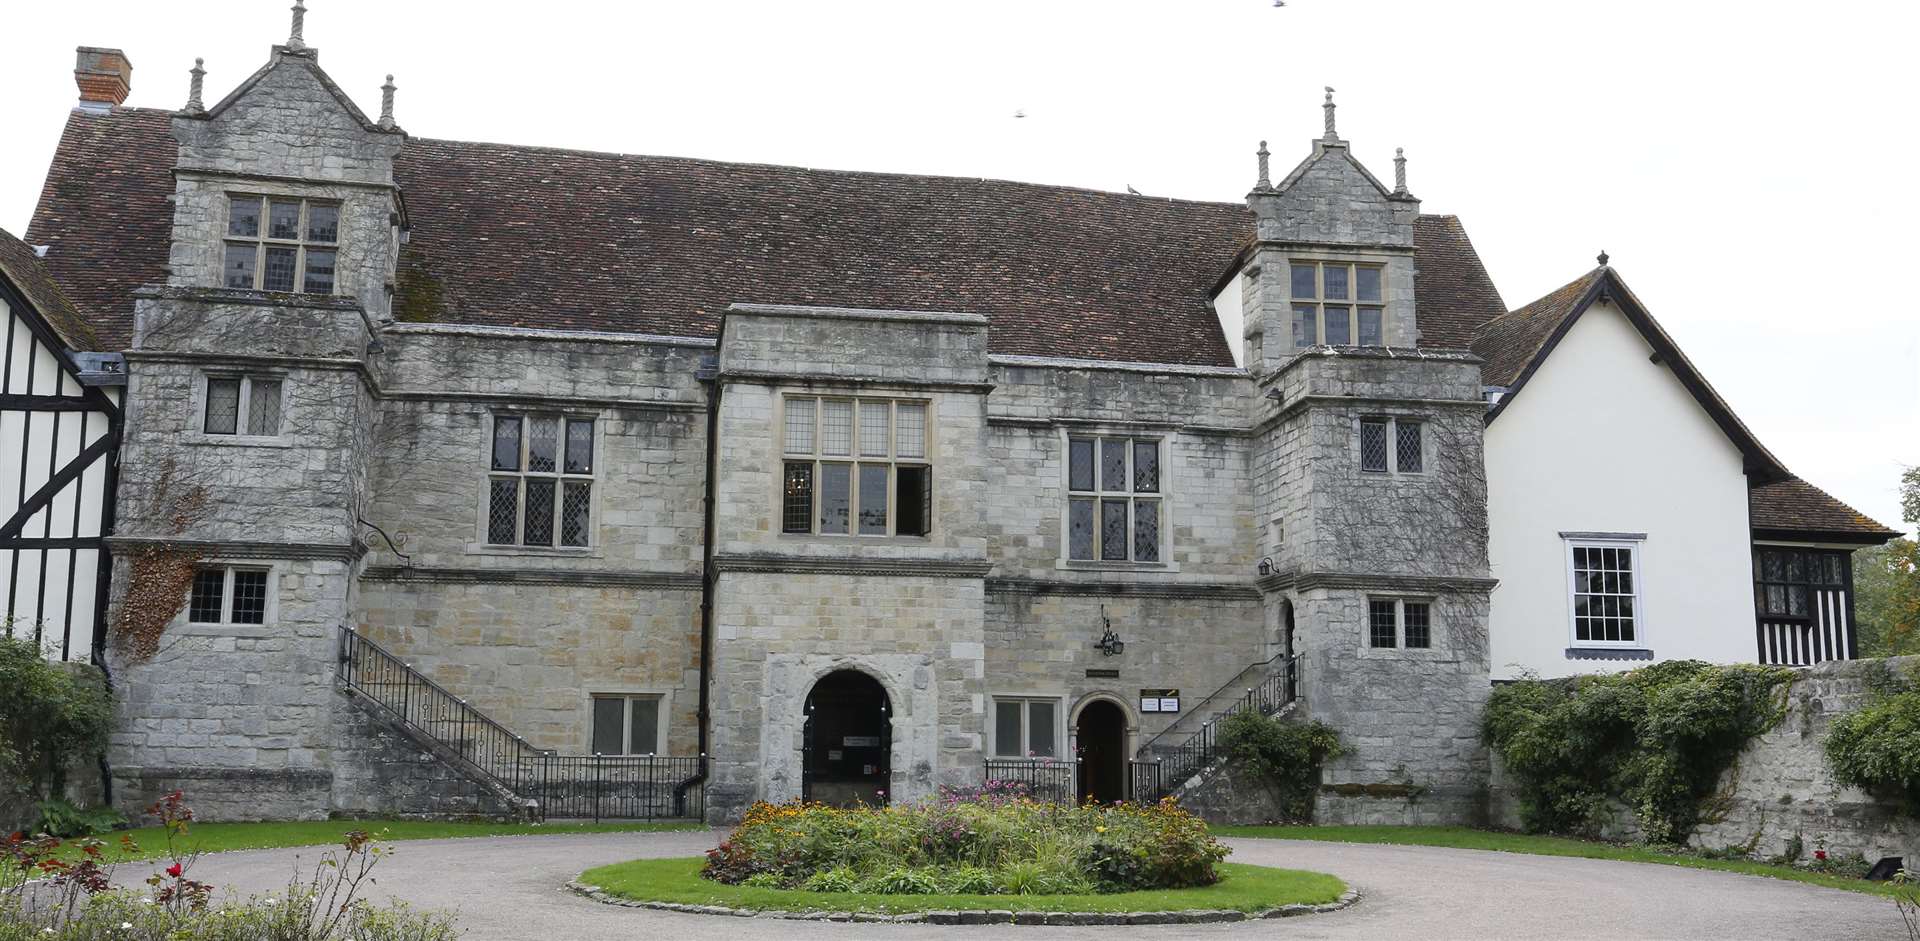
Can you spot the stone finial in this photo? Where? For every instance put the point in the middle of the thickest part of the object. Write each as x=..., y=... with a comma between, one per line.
x=1266, y=181
x=1602, y=259
x=296, y=39
x=1400, y=171
x=199, y=73
x=1327, y=108
x=386, y=104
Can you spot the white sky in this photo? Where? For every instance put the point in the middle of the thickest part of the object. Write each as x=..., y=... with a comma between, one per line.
x=1707, y=146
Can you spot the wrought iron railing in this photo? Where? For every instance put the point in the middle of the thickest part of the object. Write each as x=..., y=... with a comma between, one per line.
x=1043, y=779
x=1144, y=781
x=626, y=787
x=1180, y=758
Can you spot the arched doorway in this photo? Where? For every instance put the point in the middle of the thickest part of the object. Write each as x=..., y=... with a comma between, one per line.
x=848, y=741
x=1101, y=734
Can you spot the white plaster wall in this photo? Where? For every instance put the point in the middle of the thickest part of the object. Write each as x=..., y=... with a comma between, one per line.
x=1227, y=306
x=1603, y=440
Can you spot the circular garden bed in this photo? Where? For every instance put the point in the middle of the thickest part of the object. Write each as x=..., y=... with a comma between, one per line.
x=968, y=859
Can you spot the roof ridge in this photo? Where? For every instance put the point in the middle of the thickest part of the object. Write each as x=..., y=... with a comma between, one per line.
x=1543, y=298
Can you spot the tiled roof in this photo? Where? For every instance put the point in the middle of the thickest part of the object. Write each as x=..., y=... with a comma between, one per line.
x=1455, y=294
x=531, y=237
x=1793, y=506
x=23, y=269
x=1511, y=342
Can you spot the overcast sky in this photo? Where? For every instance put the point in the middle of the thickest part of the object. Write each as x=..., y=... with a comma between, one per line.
x=1748, y=165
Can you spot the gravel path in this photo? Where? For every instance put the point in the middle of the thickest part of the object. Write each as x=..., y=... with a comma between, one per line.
x=511, y=889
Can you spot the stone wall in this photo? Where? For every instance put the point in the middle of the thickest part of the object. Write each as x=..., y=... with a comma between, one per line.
x=1780, y=788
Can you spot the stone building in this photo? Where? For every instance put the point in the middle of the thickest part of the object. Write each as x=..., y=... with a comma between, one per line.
x=469, y=458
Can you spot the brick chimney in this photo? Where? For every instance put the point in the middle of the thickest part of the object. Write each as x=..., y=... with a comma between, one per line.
x=104, y=76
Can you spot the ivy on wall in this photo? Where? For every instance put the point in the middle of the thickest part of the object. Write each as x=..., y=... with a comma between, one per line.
x=159, y=576
x=1285, y=755
x=1657, y=738
x=1877, y=748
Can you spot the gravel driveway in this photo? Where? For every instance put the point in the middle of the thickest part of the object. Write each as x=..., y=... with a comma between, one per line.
x=511, y=889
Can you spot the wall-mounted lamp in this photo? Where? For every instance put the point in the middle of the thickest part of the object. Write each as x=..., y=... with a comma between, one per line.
x=1266, y=566
x=1109, y=643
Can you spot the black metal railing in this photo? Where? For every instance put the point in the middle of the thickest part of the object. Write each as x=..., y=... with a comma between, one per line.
x=1144, y=781
x=1043, y=779
x=1182, y=757
x=623, y=787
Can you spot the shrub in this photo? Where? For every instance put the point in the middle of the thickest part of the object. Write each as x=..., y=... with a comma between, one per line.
x=983, y=846
x=1285, y=755
x=1657, y=738
x=49, y=717
x=59, y=817
x=1877, y=748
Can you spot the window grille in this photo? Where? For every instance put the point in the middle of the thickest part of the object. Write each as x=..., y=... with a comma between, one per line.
x=540, y=481
x=1373, y=446
x=1407, y=439
x=1113, y=505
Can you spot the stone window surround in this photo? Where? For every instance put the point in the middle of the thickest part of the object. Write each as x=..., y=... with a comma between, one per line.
x=261, y=240
x=1603, y=540
x=483, y=469
x=199, y=434
x=663, y=720
x=1439, y=641
x=1169, y=475
x=1400, y=602
x=228, y=567
x=1393, y=470
x=1395, y=306
x=1352, y=301
x=778, y=428
x=1061, y=728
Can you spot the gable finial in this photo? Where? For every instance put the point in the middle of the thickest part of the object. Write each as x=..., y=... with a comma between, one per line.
x=194, y=105
x=1603, y=258
x=386, y=104
x=1399, y=171
x=296, y=40
x=1266, y=182
x=1328, y=109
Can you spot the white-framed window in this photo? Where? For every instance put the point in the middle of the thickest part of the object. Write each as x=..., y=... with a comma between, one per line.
x=628, y=724
x=1603, y=577
x=1026, y=727
x=540, y=480
x=1338, y=303
x=855, y=466
x=1393, y=445
x=1115, y=499
x=1400, y=622
x=281, y=243
x=229, y=594
x=243, y=405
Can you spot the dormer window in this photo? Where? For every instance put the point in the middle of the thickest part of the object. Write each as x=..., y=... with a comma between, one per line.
x=281, y=244
x=1338, y=304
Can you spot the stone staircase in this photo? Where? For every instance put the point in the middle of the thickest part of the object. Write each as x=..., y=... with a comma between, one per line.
x=1190, y=746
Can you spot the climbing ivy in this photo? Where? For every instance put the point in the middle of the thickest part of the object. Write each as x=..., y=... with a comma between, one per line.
x=1877, y=748
x=1657, y=738
x=1284, y=754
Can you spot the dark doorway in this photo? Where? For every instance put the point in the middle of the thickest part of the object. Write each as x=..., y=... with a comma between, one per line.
x=1102, y=738
x=848, y=741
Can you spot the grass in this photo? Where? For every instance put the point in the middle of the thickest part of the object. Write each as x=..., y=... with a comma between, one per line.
x=1503, y=842
x=1243, y=888
x=220, y=837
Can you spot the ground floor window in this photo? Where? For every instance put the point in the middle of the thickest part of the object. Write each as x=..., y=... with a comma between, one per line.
x=627, y=724
x=228, y=595
x=1026, y=728
x=1399, y=622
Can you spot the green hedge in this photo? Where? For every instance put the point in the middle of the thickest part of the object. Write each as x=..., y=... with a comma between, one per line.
x=1285, y=755
x=50, y=717
x=1657, y=738
x=1877, y=748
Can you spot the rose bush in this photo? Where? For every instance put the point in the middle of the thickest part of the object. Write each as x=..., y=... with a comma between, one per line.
x=988, y=843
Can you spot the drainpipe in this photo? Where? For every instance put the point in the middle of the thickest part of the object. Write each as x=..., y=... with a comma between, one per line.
x=709, y=373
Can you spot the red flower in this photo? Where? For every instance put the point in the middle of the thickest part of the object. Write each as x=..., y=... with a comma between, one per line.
x=174, y=870
x=1820, y=855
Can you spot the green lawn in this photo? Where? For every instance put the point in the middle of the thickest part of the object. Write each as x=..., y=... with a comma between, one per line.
x=1502, y=842
x=1244, y=888
x=217, y=837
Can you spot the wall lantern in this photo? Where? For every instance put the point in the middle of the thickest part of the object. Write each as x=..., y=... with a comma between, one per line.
x=1266, y=566
x=1109, y=643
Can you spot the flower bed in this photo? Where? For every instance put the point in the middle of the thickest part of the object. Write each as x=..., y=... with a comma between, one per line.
x=968, y=845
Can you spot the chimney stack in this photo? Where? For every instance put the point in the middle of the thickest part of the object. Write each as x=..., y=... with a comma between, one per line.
x=104, y=76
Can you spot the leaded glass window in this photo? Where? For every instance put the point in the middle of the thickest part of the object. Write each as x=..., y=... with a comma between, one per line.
x=1418, y=628
x=1606, y=592
x=1337, y=304
x=248, y=405
x=1393, y=445
x=1113, y=514
x=1381, y=630
x=294, y=251
x=1373, y=445
x=1788, y=582
x=540, y=482
x=1399, y=622
x=1407, y=453
x=228, y=595
x=855, y=466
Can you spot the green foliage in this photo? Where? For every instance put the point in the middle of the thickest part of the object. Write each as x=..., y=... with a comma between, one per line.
x=978, y=846
x=49, y=717
x=1877, y=748
x=59, y=817
x=1285, y=755
x=1657, y=738
x=1886, y=594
